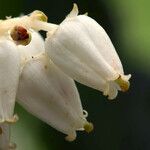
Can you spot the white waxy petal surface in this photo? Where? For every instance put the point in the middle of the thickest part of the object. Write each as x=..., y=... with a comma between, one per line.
x=75, y=68
x=35, y=47
x=49, y=94
x=72, y=37
x=9, y=77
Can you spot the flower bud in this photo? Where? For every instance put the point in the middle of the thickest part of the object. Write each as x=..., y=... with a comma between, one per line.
x=81, y=48
x=49, y=94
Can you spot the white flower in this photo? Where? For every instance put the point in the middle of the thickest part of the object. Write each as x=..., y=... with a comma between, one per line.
x=80, y=47
x=40, y=87
x=50, y=95
x=12, y=60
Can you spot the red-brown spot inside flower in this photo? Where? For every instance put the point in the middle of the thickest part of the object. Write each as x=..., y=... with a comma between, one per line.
x=19, y=33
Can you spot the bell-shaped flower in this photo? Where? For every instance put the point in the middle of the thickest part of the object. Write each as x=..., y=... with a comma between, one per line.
x=12, y=59
x=81, y=48
x=43, y=89
x=49, y=94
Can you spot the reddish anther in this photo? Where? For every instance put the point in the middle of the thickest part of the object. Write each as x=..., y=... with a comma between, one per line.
x=19, y=33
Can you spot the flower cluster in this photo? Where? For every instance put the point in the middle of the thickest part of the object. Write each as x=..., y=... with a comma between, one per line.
x=40, y=74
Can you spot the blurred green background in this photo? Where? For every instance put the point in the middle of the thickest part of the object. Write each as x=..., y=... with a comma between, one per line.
x=122, y=124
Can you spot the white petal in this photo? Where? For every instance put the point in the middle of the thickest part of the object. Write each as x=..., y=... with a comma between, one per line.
x=82, y=49
x=49, y=94
x=35, y=47
x=75, y=68
x=9, y=77
x=99, y=37
x=72, y=37
x=102, y=42
x=74, y=12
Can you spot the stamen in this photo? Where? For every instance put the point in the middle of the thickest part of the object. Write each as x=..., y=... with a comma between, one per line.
x=124, y=85
x=88, y=127
x=20, y=35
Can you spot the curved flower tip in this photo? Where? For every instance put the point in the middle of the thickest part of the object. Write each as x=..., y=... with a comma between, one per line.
x=112, y=91
x=86, y=14
x=14, y=119
x=123, y=82
x=39, y=15
x=71, y=137
x=88, y=127
x=74, y=12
